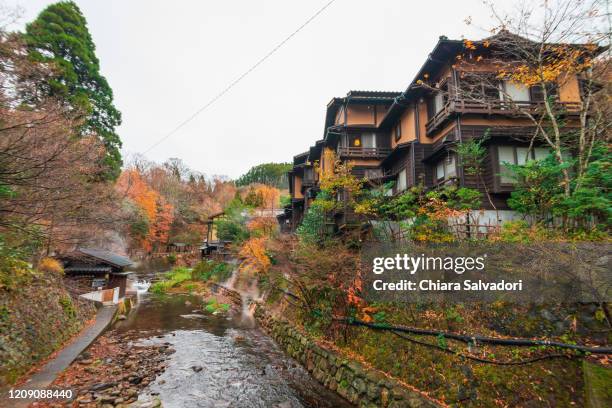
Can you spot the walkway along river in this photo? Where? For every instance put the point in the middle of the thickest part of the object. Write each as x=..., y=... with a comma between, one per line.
x=219, y=361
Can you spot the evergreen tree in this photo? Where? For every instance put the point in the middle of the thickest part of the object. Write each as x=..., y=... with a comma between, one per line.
x=272, y=174
x=59, y=36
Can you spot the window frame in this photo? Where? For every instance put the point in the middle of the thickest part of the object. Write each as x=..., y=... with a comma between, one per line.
x=445, y=165
x=398, y=130
x=397, y=186
x=443, y=91
x=362, y=137
x=500, y=167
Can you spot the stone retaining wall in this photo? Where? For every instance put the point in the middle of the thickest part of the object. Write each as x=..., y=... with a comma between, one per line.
x=362, y=386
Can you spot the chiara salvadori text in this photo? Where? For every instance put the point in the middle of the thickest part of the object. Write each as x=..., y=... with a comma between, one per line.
x=437, y=285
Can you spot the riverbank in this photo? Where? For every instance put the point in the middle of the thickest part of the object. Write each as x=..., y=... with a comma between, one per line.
x=311, y=289
x=172, y=350
x=112, y=372
x=363, y=386
x=36, y=320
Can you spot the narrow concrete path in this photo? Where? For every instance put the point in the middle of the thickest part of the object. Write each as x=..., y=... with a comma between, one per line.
x=47, y=374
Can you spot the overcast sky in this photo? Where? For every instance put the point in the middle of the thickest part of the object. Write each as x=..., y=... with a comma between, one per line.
x=166, y=59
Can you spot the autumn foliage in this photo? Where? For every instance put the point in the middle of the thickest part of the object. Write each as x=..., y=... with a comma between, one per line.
x=168, y=203
x=254, y=256
x=156, y=212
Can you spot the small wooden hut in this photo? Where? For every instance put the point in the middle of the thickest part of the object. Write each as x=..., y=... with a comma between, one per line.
x=92, y=269
x=212, y=244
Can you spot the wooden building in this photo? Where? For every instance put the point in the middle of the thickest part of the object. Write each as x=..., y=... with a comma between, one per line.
x=212, y=245
x=179, y=248
x=94, y=269
x=410, y=137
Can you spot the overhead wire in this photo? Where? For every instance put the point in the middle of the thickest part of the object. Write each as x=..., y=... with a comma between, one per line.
x=239, y=78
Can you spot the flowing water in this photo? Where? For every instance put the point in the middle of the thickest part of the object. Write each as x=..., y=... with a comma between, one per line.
x=240, y=365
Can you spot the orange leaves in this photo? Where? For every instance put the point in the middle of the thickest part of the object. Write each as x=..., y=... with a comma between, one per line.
x=270, y=195
x=50, y=265
x=557, y=61
x=265, y=226
x=163, y=220
x=363, y=311
x=254, y=256
x=158, y=212
x=469, y=44
x=263, y=196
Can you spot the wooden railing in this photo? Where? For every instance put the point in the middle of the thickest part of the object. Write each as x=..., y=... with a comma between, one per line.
x=308, y=182
x=497, y=107
x=364, y=152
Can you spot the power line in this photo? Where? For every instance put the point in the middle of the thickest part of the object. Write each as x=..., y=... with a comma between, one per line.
x=240, y=78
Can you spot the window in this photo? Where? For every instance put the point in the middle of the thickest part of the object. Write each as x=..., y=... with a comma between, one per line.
x=480, y=87
x=517, y=155
x=98, y=283
x=516, y=92
x=437, y=102
x=368, y=140
x=537, y=94
x=309, y=174
x=446, y=169
x=373, y=173
x=398, y=131
x=402, y=180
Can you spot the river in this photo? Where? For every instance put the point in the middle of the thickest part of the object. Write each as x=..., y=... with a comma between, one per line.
x=219, y=360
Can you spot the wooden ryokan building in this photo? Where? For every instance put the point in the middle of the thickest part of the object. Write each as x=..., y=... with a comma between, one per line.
x=409, y=136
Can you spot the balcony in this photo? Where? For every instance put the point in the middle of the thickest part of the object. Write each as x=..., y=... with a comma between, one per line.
x=493, y=107
x=309, y=182
x=363, y=152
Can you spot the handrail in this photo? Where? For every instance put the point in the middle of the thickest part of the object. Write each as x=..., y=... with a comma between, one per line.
x=363, y=151
x=462, y=105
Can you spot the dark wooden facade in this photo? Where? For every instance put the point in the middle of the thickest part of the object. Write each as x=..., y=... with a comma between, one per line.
x=90, y=269
x=410, y=137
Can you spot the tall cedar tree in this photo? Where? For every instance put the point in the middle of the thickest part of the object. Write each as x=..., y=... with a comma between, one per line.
x=60, y=36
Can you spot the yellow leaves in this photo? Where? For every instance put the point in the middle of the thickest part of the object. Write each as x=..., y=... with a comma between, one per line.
x=558, y=61
x=50, y=265
x=270, y=195
x=365, y=207
x=486, y=43
x=469, y=44
x=262, y=226
x=339, y=177
x=254, y=256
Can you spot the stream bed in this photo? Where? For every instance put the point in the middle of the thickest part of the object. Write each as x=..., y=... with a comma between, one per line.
x=219, y=361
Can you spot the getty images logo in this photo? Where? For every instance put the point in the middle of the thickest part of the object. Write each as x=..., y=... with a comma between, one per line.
x=412, y=264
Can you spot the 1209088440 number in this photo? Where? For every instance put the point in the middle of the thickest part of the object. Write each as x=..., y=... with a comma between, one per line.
x=40, y=394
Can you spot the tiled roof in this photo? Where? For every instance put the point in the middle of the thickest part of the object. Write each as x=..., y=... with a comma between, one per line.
x=373, y=94
x=89, y=269
x=106, y=256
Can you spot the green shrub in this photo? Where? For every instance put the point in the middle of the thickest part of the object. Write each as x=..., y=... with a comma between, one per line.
x=313, y=229
x=212, y=306
x=209, y=270
x=171, y=258
x=161, y=287
x=14, y=270
x=66, y=302
x=231, y=230
x=172, y=279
